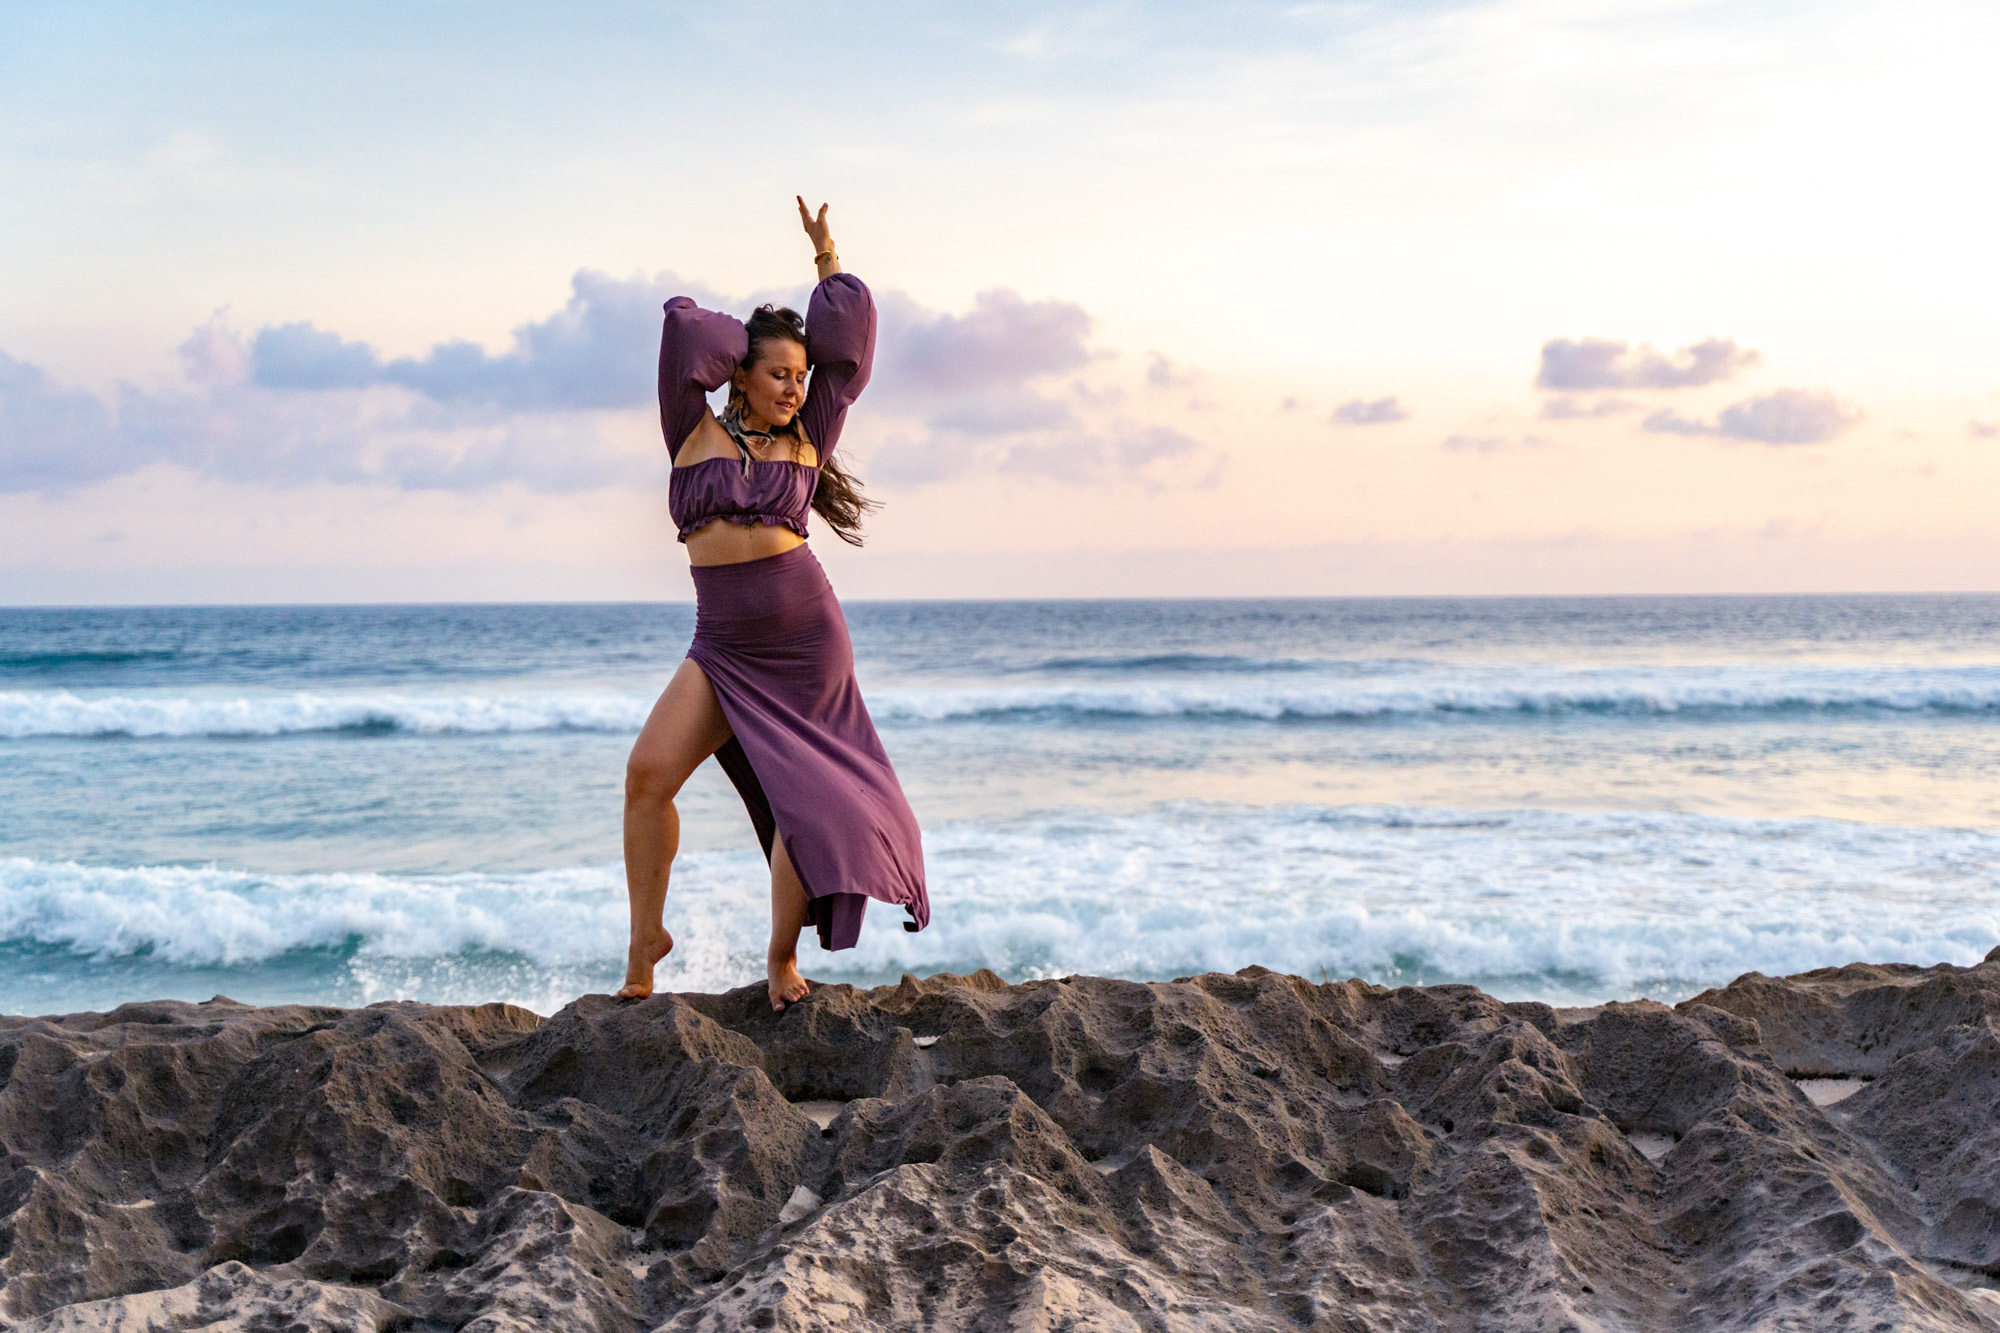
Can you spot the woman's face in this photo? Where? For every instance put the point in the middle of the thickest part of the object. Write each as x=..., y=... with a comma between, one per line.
x=775, y=387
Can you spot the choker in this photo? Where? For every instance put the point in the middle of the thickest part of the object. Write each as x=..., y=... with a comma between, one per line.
x=732, y=422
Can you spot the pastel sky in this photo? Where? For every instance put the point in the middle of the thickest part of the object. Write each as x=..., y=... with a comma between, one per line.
x=360, y=301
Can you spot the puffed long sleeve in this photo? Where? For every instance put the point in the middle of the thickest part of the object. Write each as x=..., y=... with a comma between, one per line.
x=840, y=343
x=699, y=350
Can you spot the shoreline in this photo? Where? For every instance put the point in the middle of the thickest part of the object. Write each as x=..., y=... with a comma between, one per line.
x=1242, y=1151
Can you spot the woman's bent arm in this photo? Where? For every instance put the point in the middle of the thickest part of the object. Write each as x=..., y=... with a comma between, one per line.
x=840, y=339
x=699, y=350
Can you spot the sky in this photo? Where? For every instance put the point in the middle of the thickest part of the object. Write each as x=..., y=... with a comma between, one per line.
x=360, y=301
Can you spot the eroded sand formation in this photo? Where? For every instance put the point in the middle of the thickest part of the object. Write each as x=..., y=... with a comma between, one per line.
x=1248, y=1152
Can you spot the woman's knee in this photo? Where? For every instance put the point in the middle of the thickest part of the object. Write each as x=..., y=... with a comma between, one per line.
x=651, y=778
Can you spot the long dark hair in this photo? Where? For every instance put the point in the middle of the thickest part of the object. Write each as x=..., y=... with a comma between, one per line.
x=837, y=498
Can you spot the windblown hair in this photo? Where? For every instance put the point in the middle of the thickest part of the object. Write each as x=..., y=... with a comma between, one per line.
x=837, y=498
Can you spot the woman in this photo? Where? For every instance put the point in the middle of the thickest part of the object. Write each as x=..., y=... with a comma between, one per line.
x=768, y=684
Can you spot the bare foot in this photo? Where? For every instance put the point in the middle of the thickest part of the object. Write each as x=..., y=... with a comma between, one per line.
x=787, y=986
x=639, y=960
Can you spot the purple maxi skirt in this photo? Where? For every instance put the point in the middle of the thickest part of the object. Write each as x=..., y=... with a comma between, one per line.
x=770, y=637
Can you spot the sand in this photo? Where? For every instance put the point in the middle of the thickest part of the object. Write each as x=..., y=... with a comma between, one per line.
x=1246, y=1152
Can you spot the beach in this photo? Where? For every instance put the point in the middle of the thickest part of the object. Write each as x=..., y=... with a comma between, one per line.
x=1367, y=964
x=1244, y=1152
x=1352, y=650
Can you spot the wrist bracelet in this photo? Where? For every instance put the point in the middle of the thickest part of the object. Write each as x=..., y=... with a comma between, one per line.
x=825, y=254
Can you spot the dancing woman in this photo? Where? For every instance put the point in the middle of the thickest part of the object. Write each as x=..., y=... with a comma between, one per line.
x=768, y=684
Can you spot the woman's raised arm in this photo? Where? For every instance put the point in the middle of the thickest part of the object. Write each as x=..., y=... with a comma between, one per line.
x=840, y=339
x=699, y=350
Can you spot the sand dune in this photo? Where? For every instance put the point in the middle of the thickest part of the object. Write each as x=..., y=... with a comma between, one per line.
x=1247, y=1152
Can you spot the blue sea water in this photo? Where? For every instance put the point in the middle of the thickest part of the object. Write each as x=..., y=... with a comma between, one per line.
x=1574, y=799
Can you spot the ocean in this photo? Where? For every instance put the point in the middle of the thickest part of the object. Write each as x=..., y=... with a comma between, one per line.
x=1572, y=799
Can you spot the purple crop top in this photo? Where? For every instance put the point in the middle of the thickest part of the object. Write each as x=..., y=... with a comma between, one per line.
x=700, y=349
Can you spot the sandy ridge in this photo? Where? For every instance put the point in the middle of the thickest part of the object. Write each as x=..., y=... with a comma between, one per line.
x=1246, y=1152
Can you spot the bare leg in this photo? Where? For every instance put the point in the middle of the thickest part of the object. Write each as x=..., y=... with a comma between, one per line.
x=788, y=918
x=685, y=727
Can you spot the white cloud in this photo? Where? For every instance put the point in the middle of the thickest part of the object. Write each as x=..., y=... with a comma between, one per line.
x=1490, y=444
x=1569, y=409
x=1605, y=363
x=600, y=350
x=52, y=438
x=1370, y=412
x=296, y=404
x=1786, y=416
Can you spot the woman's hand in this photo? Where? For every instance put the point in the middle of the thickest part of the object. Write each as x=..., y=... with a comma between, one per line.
x=817, y=231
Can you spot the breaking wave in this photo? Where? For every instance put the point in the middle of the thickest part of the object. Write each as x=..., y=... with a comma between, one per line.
x=1574, y=907
x=1471, y=692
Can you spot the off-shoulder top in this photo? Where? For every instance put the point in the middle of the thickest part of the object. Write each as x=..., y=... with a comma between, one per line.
x=700, y=349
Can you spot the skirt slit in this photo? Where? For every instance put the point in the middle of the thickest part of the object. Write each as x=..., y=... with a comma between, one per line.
x=803, y=754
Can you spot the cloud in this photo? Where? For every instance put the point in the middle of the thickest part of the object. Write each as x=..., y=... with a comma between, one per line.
x=299, y=356
x=213, y=354
x=1490, y=444
x=1088, y=457
x=1569, y=409
x=295, y=404
x=549, y=462
x=1003, y=414
x=1086, y=394
x=1075, y=456
x=971, y=390
x=1983, y=430
x=1002, y=343
x=50, y=437
x=1584, y=364
x=974, y=382
x=601, y=350
x=1162, y=373
x=1787, y=416
x=1369, y=412
x=53, y=439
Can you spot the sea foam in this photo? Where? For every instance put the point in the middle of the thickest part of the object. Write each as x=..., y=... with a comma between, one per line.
x=1567, y=906
x=1472, y=692
x=26, y=713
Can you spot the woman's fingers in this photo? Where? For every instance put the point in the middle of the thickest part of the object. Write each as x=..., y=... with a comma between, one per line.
x=815, y=226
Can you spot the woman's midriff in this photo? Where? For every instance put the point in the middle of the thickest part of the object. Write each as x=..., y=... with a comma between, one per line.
x=720, y=542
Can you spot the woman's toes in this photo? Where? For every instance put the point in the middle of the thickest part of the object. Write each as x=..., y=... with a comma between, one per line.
x=640, y=958
x=786, y=985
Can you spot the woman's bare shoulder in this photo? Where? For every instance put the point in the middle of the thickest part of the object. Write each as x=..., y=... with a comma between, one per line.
x=707, y=440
